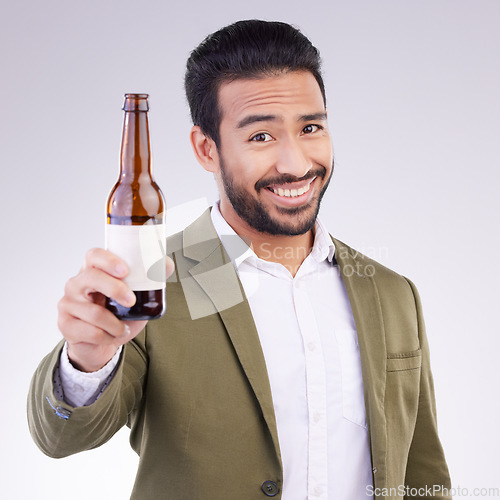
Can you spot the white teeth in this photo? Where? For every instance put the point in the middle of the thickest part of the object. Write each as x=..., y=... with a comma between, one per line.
x=292, y=193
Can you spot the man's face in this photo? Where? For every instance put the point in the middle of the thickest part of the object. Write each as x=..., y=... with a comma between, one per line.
x=275, y=154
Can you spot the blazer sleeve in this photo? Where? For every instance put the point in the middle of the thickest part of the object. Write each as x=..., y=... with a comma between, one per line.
x=60, y=430
x=426, y=466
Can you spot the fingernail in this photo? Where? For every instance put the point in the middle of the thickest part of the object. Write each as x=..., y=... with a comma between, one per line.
x=126, y=332
x=130, y=298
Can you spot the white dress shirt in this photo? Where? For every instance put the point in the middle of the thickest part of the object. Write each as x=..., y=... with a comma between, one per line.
x=309, y=341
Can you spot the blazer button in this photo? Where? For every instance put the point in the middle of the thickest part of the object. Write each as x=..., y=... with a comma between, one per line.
x=270, y=489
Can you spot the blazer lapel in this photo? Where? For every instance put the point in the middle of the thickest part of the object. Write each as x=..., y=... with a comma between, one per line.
x=215, y=274
x=363, y=297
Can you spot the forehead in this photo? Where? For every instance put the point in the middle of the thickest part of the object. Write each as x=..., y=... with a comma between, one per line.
x=290, y=93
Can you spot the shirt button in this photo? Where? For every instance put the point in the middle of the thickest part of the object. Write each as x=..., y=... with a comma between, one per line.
x=311, y=346
x=316, y=417
x=270, y=489
x=318, y=491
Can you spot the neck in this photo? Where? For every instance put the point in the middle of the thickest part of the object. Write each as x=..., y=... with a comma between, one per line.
x=290, y=251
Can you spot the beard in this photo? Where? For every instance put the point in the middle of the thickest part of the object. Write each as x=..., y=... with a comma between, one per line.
x=296, y=220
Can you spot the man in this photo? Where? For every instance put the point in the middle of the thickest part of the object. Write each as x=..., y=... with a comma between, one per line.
x=252, y=384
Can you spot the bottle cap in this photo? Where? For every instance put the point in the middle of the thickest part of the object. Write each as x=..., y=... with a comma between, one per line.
x=136, y=102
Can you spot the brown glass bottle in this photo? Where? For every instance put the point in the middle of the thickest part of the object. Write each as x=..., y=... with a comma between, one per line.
x=135, y=228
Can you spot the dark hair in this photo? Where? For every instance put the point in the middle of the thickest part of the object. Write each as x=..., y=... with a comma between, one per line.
x=245, y=49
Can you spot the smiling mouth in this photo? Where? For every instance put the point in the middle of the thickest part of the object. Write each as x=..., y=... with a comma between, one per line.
x=288, y=192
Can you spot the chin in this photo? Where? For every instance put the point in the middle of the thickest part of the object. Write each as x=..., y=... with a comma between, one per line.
x=286, y=222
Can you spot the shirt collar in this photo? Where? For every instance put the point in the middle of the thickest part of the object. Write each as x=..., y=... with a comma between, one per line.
x=239, y=250
x=323, y=247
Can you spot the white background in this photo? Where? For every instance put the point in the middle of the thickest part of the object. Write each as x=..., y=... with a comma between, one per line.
x=414, y=107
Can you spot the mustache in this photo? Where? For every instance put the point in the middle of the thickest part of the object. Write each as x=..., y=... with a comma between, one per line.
x=288, y=178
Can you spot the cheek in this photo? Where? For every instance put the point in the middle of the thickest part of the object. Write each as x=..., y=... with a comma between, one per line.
x=323, y=155
x=262, y=162
x=249, y=166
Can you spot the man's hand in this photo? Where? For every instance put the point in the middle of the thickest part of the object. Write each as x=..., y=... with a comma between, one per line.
x=93, y=333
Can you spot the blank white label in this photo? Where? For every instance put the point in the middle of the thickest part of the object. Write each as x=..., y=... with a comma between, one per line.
x=143, y=248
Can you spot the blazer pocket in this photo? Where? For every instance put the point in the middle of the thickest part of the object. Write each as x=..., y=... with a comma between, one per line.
x=404, y=361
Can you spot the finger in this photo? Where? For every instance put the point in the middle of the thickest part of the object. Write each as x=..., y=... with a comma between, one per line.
x=107, y=261
x=134, y=328
x=92, y=280
x=97, y=317
x=77, y=331
x=169, y=265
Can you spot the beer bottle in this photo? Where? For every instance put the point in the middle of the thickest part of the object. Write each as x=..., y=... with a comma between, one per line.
x=135, y=229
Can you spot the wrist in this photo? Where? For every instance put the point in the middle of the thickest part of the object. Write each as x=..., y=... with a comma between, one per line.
x=89, y=363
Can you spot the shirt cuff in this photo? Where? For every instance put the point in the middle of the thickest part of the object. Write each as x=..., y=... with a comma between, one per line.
x=81, y=388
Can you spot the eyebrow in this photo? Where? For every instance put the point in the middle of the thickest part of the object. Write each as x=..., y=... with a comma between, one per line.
x=313, y=117
x=248, y=120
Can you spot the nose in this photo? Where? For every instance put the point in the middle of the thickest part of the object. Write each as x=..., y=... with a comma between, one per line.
x=292, y=159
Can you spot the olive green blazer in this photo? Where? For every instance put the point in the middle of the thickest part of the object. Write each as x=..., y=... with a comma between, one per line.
x=194, y=390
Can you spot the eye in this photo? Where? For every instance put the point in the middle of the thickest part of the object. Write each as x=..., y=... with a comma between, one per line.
x=309, y=129
x=261, y=137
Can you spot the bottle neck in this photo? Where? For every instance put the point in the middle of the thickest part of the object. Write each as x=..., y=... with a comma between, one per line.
x=135, y=157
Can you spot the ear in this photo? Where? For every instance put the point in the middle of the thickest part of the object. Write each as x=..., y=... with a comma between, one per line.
x=205, y=150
